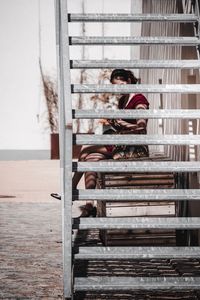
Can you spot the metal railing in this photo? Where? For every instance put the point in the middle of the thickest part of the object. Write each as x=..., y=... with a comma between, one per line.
x=67, y=167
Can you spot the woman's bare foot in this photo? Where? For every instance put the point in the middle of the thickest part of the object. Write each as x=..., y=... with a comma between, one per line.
x=88, y=210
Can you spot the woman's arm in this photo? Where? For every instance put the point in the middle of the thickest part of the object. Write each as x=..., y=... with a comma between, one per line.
x=123, y=125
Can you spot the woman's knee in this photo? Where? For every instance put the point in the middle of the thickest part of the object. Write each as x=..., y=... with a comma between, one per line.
x=92, y=153
x=85, y=152
x=83, y=156
x=94, y=157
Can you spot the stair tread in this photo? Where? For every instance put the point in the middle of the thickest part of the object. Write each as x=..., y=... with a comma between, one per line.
x=136, y=88
x=137, y=194
x=134, y=64
x=130, y=113
x=136, y=283
x=131, y=17
x=104, y=253
x=137, y=223
x=133, y=166
x=127, y=40
x=140, y=139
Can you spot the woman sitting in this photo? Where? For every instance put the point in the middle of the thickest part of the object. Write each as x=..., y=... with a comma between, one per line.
x=133, y=126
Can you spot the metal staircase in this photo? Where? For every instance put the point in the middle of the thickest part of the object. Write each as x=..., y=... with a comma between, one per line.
x=68, y=139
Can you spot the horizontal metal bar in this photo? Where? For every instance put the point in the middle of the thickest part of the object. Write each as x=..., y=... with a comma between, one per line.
x=106, y=283
x=132, y=40
x=136, y=88
x=136, y=114
x=135, y=64
x=132, y=18
x=137, y=194
x=104, y=253
x=136, y=139
x=137, y=166
x=136, y=223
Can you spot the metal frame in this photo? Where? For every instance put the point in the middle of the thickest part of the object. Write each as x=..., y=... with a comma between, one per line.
x=63, y=41
x=65, y=112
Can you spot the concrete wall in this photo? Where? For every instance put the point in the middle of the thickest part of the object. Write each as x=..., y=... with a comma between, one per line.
x=22, y=113
x=23, y=116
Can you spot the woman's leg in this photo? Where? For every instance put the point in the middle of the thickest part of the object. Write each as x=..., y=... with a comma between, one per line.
x=90, y=153
x=76, y=178
x=91, y=177
x=85, y=150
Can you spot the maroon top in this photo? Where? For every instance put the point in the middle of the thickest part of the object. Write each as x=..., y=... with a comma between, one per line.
x=133, y=103
x=136, y=100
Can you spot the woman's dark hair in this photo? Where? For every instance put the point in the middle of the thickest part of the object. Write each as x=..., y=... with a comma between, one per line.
x=124, y=75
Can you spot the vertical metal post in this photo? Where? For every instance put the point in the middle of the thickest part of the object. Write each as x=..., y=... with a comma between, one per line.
x=197, y=27
x=65, y=131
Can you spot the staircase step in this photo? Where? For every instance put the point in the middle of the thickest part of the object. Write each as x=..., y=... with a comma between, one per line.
x=130, y=139
x=110, y=253
x=137, y=195
x=135, y=176
x=138, y=167
x=127, y=40
x=136, y=223
x=135, y=64
x=132, y=18
x=106, y=283
x=136, y=88
x=135, y=114
x=135, y=238
x=142, y=183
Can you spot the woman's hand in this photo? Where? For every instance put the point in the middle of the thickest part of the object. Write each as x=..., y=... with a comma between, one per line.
x=111, y=122
x=104, y=122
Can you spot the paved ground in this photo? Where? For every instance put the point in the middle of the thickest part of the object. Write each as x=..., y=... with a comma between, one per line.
x=31, y=259
x=28, y=181
x=30, y=231
x=30, y=242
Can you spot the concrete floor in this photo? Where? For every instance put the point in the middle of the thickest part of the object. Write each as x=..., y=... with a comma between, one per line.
x=29, y=181
x=31, y=248
x=30, y=230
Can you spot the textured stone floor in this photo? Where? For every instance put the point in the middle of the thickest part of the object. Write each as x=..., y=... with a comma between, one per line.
x=30, y=251
x=31, y=258
x=133, y=268
x=31, y=248
x=30, y=231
